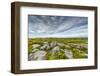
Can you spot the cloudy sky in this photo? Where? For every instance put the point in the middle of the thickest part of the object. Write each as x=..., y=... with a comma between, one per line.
x=57, y=26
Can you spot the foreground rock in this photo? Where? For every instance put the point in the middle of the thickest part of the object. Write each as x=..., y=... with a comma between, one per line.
x=53, y=44
x=68, y=54
x=45, y=47
x=34, y=46
x=52, y=49
x=31, y=56
x=34, y=50
x=56, y=49
x=39, y=55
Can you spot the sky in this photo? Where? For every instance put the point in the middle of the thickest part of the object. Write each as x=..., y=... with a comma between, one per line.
x=57, y=26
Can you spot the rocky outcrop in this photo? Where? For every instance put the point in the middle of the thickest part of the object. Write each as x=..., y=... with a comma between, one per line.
x=45, y=47
x=68, y=54
x=39, y=55
x=35, y=46
x=40, y=51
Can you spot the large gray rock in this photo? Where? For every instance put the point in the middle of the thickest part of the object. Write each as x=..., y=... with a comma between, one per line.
x=68, y=54
x=45, y=47
x=35, y=46
x=31, y=56
x=81, y=46
x=40, y=55
x=34, y=50
x=53, y=44
x=55, y=49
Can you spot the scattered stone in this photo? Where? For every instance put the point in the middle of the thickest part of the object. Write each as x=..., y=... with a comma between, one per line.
x=53, y=44
x=35, y=46
x=45, y=47
x=68, y=54
x=55, y=49
x=31, y=56
x=39, y=51
x=34, y=50
x=40, y=55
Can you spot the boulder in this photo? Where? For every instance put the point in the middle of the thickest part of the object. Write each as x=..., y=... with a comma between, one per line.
x=40, y=55
x=53, y=44
x=55, y=49
x=31, y=56
x=79, y=46
x=34, y=50
x=45, y=47
x=35, y=46
x=68, y=54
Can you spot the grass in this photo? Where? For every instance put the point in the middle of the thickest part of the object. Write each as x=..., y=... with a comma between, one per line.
x=77, y=52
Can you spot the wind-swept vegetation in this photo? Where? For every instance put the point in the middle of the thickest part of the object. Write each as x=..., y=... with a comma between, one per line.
x=57, y=48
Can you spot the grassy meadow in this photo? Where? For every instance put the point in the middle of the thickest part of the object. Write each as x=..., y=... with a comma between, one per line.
x=64, y=48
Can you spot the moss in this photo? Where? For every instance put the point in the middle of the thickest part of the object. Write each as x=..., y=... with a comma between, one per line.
x=77, y=53
x=57, y=55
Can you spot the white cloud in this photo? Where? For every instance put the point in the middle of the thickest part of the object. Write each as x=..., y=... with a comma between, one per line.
x=58, y=26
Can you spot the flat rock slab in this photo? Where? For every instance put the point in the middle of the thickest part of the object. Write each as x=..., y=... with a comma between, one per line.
x=39, y=55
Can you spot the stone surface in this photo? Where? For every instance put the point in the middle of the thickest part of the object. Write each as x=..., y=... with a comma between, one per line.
x=39, y=55
x=34, y=50
x=45, y=47
x=68, y=54
x=55, y=49
x=53, y=44
x=39, y=52
x=35, y=46
x=31, y=56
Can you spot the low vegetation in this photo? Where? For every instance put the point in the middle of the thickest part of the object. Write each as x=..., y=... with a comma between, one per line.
x=57, y=48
